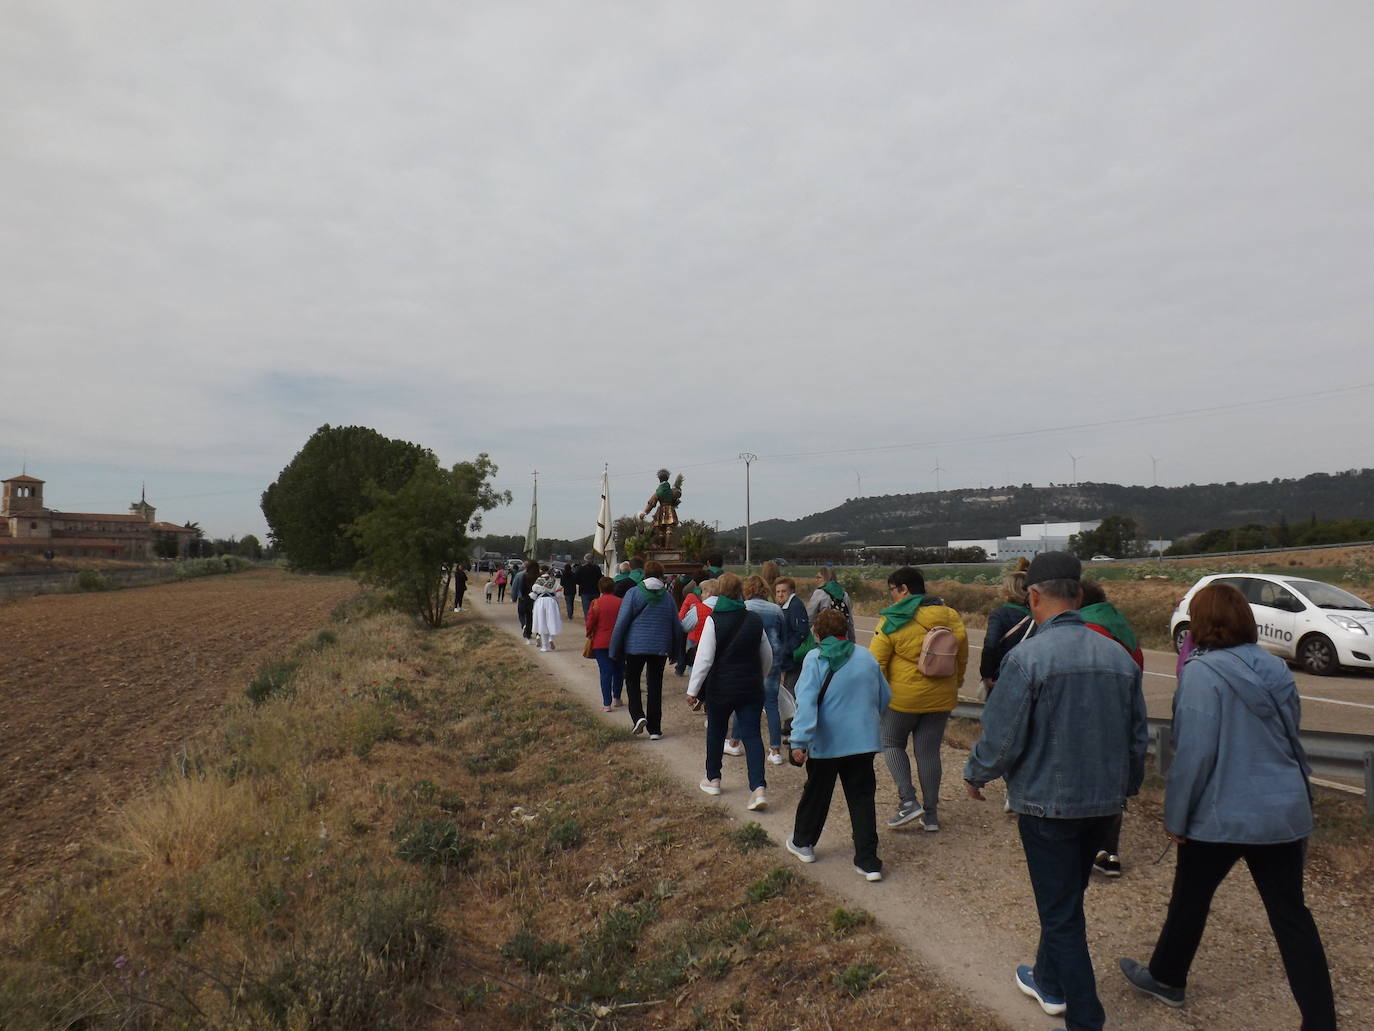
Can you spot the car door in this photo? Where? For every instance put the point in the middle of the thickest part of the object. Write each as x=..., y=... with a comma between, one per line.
x=1276, y=610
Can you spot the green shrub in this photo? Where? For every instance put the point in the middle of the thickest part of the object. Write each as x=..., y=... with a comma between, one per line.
x=843, y=921
x=750, y=836
x=433, y=843
x=90, y=580
x=778, y=880
x=564, y=836
x=272, y=681
x=857, y=978
x=537, y=955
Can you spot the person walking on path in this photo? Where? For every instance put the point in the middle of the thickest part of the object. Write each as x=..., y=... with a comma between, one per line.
x=923, y=695
x=796, y=625
x=695, y=610
x=546, y=617
x=521, y=586
x=1008, y=625
x=830, y=594
x=646, y=633
x=600, y=624
x=460, y=585
x=1239, y=787
x=500, y=580
x=1066, y=727
x=569, y=583
x=1102, y=616
x=588, y=578
x=837, y=736
x=758, y=601
x=732, y=662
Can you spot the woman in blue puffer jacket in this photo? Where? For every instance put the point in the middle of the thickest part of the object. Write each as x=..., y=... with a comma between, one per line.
x=646, y=632
x=1237, y=789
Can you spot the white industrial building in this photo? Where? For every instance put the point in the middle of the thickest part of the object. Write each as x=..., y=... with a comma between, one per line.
x=1031, y=541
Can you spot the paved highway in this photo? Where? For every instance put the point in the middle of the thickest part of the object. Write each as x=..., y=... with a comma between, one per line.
x=1344, y=704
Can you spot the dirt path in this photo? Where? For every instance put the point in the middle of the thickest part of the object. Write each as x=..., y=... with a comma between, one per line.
x=100, y=690
x=961, y=903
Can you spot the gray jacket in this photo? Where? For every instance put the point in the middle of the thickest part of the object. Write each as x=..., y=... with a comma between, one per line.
x=1066, y=725
x=1239, y=772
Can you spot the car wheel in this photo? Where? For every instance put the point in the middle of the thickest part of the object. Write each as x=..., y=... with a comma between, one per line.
x=1179, y=632
x=1318, y=656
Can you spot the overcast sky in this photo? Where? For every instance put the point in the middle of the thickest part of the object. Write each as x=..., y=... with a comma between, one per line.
x=649, y=234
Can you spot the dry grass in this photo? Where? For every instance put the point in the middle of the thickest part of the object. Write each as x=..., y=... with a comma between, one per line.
x=421, y=830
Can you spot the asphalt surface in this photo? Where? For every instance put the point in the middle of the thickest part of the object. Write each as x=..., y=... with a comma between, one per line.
x=1344, y=704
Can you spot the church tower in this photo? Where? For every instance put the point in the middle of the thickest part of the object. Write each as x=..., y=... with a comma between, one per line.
x=142, y=508
x=22, y=495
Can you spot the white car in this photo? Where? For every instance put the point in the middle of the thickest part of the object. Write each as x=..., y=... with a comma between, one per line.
x=1313, y=624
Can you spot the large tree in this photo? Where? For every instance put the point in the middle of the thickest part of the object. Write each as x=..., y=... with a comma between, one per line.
x=412, y=536
x=327, y=486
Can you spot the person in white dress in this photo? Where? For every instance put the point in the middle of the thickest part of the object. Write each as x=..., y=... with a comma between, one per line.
x=548, y=620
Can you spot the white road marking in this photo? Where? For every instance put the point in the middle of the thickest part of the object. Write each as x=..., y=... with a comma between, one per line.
x=1335, y=701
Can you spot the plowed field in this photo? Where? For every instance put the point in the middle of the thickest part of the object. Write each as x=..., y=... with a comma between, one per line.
x=99, y=691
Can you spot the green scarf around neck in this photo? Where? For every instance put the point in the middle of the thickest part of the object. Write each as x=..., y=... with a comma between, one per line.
x=900, y=614
x=1105, y=615
x=637, y=575
x=621, y=576
x=833, y=588
x=654, y=594
x=724, y=604
x=715, y=571
x=836, y=651
x=1023, y=609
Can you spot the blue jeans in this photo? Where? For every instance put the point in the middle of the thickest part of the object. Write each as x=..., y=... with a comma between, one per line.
x=747, y=726
x=586, y=606
x=612, y=675
x=771, y=684
x=1059, y=859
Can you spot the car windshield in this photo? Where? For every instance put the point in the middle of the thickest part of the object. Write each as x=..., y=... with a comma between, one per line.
x=1324, y=596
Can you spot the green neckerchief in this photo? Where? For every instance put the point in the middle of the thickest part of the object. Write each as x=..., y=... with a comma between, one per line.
x=692, y=589
x=654, y=594
x=1024, y=610
x=664, y=492
x=621, y=576
x=836, y=651
x=637, y=575
x=724, y=604
x=832, y=588
x=901, y=614
x=1105, y=615
x=715, y=571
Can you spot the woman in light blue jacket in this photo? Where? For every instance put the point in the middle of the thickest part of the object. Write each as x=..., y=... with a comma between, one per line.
x=1237, y=789
x=838, y=737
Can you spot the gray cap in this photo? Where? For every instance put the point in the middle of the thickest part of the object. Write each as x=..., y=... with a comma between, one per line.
x=1053, y=565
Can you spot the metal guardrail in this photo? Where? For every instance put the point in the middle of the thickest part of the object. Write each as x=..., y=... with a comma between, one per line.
x=1330, y=754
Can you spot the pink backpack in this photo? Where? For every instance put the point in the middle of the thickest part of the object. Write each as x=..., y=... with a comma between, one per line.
x=939, y=653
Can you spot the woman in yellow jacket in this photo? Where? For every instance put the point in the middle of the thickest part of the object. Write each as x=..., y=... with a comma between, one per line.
x=920, y=705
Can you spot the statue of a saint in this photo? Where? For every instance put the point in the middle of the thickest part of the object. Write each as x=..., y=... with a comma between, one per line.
x=666, y=497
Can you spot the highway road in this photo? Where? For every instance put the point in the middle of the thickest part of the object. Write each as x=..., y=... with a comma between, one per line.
x=1343, y=704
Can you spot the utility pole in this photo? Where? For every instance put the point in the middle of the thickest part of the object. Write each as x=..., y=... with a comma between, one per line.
x=748, y=459
x=1154, y=465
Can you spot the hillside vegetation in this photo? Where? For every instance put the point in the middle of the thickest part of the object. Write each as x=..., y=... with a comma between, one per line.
x=936, y=517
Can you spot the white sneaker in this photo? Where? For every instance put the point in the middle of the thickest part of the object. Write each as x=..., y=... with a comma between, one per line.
x=545, y=648
x=529, y=640
x=775, y=758
x=758, y=801
x=640, y=725
x=869, y=875
x=734, y=749
x=655, y=737
x=711, y=787
x=806, y=853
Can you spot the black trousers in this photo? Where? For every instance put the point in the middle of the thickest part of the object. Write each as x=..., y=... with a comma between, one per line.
x=1277, y=873
x=651, y=666
x=524, y=610
x=855, y=773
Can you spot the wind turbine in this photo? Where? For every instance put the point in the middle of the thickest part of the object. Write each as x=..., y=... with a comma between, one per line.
x=937, y=471
x=1074, y=459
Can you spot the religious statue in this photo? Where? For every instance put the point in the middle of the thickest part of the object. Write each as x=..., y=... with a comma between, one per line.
x=666, y=497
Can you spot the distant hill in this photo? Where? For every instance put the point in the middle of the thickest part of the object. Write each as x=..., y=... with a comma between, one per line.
x=930, y=519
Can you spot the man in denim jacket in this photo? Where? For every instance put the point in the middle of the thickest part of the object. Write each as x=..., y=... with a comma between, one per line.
x=1066, y=727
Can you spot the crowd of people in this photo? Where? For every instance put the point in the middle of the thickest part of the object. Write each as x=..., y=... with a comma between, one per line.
x=1064, y=726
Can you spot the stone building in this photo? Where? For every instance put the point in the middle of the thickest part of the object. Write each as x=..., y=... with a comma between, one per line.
x=27, y=527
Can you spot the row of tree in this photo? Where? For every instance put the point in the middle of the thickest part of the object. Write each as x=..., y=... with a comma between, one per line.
x=386, y=510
